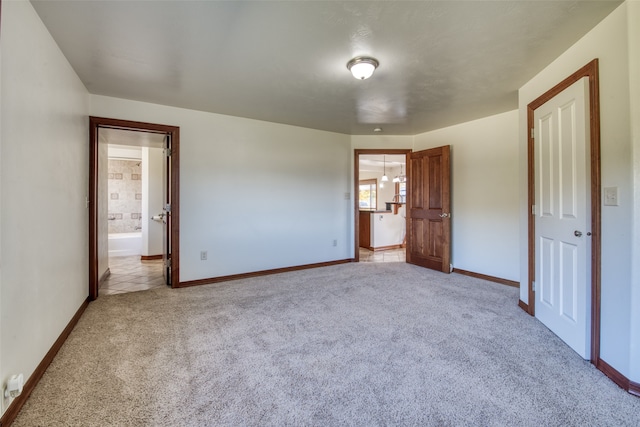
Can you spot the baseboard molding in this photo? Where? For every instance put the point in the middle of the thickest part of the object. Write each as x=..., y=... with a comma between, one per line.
x=150, y=257
x=612, y=373
x=615, y=376
x=385, y=248
x=14, y=408
x=260, y=273
x=523, y=305
x=104, y=277
x=486, y=277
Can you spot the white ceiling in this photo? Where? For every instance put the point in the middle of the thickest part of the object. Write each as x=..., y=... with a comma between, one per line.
x=441, y=62
x=130, y=138
x=378, y=162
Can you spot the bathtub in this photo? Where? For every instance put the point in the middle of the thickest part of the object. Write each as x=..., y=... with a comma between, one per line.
x=125, y=244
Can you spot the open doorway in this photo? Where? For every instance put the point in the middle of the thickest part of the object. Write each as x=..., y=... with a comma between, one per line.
x=380, y=211
x=133, y=201
x=132, y=195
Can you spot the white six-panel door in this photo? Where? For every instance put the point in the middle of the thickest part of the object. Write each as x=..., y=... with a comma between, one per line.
x=563, y=216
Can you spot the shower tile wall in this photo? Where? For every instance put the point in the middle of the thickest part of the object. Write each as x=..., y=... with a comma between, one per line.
x=125, y=196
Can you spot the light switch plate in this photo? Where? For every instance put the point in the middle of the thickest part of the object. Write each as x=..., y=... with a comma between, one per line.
x=611, y=196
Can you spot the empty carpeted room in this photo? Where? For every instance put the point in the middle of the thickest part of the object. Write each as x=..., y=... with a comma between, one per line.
x=490, y=149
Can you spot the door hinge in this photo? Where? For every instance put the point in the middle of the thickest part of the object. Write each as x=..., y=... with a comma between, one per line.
x=167, y=207
x=533, y=133
x=167, y=152
x=533, y=209
x=533, y=286
x=167, y=263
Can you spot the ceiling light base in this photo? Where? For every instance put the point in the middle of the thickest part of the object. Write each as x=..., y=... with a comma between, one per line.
x=362, y=67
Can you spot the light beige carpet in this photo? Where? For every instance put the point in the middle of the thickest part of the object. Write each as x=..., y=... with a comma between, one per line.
x=354, y=344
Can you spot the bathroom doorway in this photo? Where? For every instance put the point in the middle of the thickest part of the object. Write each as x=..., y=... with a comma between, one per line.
x=134, y=200
x=133, y=206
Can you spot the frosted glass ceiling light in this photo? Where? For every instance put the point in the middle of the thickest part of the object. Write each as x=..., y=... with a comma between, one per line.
x=362, y=67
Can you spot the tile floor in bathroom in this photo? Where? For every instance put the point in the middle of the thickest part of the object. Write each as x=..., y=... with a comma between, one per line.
x=130, y=274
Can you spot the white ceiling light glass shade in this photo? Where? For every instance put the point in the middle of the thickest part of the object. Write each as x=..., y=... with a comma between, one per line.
x=362, y=67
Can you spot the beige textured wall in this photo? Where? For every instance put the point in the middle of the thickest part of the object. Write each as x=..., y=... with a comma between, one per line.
x=45, y=175
x=125, y=196
x=608, y=41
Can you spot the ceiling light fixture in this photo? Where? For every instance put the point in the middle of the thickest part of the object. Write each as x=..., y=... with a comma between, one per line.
x=362, y=67
x=377, y=129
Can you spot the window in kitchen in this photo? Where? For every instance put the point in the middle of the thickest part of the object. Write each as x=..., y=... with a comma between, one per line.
x=367, y=194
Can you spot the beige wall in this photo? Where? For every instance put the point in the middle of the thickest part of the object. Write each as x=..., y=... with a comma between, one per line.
x=300, y=181
x=484, y=193
x=633, y=18
x=44, y=175
x=125, y=195
x=609, y=42
x=255, y=195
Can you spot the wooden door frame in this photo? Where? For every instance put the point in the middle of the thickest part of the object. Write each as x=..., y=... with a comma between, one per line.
x=591, y=72
x=95, y=123
x=356, y=192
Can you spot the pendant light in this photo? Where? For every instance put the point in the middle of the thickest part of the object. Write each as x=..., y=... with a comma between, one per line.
x=385, y=178
x=401, y=177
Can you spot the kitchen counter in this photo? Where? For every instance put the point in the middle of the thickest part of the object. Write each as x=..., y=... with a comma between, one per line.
x=381, y=230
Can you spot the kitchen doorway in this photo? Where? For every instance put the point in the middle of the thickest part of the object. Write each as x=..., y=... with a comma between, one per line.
x=380, y=204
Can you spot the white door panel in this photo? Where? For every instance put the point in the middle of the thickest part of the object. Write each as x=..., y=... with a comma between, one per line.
x=562, y=198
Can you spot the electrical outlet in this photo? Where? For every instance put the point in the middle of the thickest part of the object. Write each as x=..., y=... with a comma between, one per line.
x=203, y=256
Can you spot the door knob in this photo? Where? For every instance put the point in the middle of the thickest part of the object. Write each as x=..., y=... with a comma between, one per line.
x=577, y=233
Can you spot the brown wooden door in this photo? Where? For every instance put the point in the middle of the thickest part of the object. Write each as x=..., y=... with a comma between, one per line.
x=429, y=209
